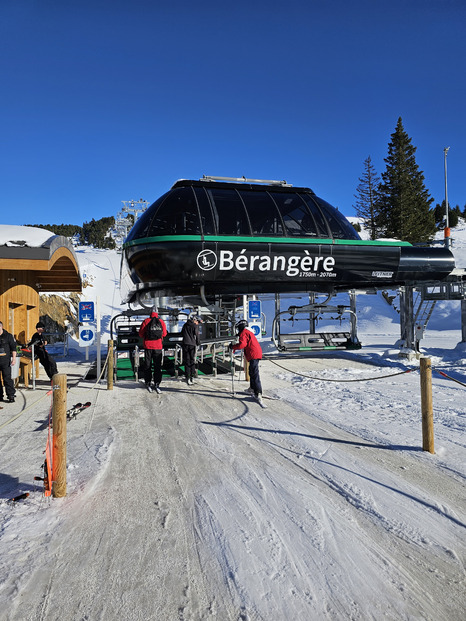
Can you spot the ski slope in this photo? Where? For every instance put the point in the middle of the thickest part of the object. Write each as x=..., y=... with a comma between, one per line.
x=197, y=504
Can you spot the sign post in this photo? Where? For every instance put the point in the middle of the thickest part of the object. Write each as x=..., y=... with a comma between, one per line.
x=255, y=317
x=255, y=310
x=86, y=336
x=86, y=314
x=256, y=328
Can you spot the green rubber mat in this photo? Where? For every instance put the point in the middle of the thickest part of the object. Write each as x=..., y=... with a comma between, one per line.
x=124, y=369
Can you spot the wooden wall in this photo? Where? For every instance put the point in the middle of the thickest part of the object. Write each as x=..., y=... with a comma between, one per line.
x=19, y=304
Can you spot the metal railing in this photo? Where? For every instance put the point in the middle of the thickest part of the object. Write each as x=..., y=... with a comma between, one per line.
x=216, y=350
x=58, y=338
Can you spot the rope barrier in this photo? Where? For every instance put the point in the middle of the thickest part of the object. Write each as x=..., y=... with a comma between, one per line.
x=25, y=409
x=99, y=378
x=448, y=377
x=50, y=392
x=321, y=379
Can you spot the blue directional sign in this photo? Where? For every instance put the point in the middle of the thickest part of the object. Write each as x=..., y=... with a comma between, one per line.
x=256, y=329
x=255, y=309
x=86, y=336
x=86, y=311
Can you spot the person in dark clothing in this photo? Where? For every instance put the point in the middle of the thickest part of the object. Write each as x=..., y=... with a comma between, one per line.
x=253, y=353
x=7, y=360
x=153, y=353
x=46, y=360
x=190, y=334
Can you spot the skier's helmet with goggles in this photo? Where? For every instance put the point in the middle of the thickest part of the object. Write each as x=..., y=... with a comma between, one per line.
x=241, y=325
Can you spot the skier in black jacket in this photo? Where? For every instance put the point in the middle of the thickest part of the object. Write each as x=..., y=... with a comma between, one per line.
x=7, y=360
x=190, y=334
x=45, y=358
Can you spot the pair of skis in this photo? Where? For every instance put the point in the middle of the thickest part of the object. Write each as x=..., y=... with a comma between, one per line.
x=76, y=409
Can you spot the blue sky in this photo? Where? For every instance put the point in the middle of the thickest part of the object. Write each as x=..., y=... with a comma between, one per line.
x=104, y=101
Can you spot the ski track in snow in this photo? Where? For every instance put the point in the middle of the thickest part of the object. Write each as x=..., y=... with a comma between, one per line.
x=351, y=494
x=284, y=515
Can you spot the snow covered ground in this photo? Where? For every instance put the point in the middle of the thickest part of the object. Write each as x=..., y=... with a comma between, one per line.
x=198, y=504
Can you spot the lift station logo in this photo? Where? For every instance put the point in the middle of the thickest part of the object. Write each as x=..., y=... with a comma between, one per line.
x=304, y=265
x=207, y=260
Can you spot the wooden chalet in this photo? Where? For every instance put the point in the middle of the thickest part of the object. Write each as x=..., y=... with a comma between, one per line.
x=32, y=261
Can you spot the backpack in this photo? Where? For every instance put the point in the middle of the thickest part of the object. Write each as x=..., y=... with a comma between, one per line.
x=154, y=330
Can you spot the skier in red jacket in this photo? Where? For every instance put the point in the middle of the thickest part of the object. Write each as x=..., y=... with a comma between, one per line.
x=253, y=353
x=153, y=352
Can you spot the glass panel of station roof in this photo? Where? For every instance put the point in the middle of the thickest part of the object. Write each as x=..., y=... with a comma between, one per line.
x=143, y=224
x=263, y=214
x=321, y=224
x=229, y=212
x=296, y=216
x=340, y=227
x=207, y=220
x=178, y=215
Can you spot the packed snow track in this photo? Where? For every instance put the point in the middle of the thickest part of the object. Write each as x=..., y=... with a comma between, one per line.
x=197, y=504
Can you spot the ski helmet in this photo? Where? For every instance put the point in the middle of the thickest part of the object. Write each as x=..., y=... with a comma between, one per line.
x=241, y=325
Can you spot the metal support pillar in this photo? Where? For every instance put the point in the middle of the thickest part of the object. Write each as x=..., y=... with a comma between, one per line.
x=312, y=317
x=407, y=317
x=277, y=303
x=463, y=321
x=353, y=318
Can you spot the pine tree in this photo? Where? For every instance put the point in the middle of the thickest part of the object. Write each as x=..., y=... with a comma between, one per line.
x=366, y=198
x=439, y=214
x=403, y=200
x=67, y=230
x=454, y=214
x=454, y=217
x=94, y=233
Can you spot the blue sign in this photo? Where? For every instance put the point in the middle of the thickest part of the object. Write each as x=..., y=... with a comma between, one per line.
x=86, y=311
x=256, y=329
x=255, y=309
x=87, y=335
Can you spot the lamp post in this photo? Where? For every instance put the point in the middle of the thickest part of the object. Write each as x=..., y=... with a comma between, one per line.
x=447, y=227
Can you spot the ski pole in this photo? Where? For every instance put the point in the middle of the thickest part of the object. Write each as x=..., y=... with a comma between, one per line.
x=232, y=373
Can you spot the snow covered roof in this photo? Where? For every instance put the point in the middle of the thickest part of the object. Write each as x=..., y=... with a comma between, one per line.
x=49, y=257
x=20, y=236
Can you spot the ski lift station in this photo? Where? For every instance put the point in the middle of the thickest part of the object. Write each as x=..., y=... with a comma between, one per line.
x=212, y=245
